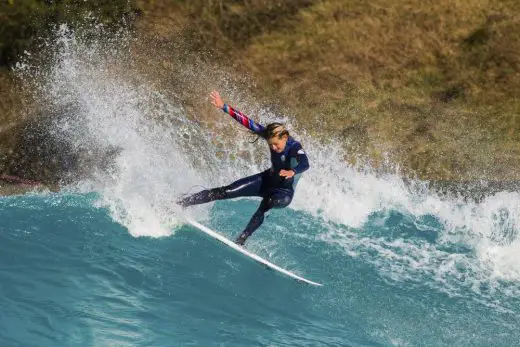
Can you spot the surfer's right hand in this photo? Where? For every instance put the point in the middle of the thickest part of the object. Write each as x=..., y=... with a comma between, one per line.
x=216, y=99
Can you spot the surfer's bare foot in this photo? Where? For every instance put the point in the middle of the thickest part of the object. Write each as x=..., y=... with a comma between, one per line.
x=241, y=240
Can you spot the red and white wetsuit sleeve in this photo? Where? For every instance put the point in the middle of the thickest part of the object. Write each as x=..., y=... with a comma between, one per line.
x=243, y=119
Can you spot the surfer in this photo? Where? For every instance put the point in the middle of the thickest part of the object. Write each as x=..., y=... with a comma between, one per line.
x=275, y=185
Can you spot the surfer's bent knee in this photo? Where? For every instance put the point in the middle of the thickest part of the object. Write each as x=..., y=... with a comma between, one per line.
x=279, y=201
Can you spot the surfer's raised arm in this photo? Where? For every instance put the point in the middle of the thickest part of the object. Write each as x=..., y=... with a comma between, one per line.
x=216, y=100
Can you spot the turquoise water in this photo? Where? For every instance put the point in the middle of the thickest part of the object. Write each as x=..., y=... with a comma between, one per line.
x=71, y=276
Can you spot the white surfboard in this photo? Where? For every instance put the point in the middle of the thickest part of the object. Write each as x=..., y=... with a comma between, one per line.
x=242, y=250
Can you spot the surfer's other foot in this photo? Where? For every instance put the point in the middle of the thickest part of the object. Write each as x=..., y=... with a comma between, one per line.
x=241, y=240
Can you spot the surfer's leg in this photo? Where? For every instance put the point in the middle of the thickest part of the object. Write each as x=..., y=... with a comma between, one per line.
x=247, y=186
x=274, y=200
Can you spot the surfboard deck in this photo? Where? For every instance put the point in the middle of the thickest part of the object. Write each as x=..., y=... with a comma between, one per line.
x=253, y=256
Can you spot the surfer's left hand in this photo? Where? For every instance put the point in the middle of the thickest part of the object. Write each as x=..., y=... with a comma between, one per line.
x=287, y=173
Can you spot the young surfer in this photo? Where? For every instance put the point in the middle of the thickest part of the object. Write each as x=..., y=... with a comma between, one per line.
x=275, y=185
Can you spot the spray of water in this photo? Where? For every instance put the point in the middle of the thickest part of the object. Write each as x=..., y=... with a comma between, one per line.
x=160, y=152
x=108, y=112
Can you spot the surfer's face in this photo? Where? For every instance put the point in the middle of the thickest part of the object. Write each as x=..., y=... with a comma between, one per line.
x=277, y=143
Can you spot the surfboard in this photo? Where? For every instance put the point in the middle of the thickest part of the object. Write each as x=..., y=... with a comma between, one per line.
x=253, y=256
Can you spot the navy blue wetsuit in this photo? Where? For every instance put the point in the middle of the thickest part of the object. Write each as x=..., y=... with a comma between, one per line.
x=276, y=191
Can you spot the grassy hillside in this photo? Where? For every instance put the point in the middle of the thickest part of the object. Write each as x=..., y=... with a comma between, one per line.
x=433, y=84
x=435, y=81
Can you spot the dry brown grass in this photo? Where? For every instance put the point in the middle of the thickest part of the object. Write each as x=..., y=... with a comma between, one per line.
x=10, y=106
x=10, y=101
x=413, y=45
x=435, y=83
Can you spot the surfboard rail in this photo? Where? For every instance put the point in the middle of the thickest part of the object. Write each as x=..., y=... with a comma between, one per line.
x=251, y=255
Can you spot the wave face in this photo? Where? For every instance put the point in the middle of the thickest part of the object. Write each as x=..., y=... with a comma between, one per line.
x=108, y=261
x=71, y=275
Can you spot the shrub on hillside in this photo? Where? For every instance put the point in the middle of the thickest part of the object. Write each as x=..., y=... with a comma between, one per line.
x=23, y=22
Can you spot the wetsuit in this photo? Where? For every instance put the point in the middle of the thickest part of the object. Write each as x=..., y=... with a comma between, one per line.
x=276, y=191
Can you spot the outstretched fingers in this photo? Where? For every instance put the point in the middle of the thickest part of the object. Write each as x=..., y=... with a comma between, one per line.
x=216, y=99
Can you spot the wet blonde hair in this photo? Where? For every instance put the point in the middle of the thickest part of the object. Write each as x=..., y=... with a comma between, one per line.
x=273, y=130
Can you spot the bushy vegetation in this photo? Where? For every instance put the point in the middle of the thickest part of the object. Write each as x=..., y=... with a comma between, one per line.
x=22, y=22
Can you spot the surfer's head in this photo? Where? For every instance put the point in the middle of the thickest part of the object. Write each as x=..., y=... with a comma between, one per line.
x=276, y=136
